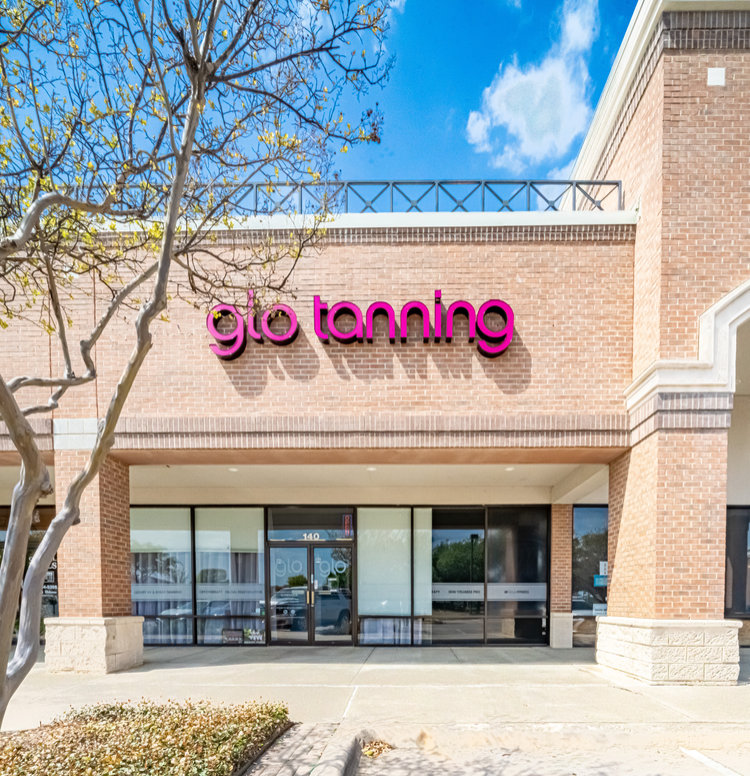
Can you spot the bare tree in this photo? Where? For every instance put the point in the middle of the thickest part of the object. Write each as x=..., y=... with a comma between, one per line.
x=129, y=134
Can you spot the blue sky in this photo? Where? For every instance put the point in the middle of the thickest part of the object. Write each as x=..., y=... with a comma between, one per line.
x=490, y=88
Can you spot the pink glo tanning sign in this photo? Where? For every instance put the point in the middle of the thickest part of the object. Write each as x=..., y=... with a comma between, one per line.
x=438, y=326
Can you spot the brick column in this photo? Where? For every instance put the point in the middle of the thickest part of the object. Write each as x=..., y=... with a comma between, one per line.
x=561, y=571
x=667, y=532
x=95, y=630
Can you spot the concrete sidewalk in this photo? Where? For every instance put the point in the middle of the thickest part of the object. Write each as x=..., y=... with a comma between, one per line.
x=504, y=697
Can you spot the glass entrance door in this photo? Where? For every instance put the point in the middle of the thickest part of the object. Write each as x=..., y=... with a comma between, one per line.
x=311, y=594
x=332, y=593
x=290, y=595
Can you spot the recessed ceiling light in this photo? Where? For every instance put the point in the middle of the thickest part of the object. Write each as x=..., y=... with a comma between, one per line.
x=510, y=468
x=372, y=468
x=233, y=469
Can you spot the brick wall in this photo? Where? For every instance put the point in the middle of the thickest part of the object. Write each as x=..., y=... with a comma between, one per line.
x=667, y=523
x=568, y=353
x=94, y=558
x=690, y=541
x=636, y=159
x=682, y=150
x=561, y=549
x=633, y=515
x=706, y=213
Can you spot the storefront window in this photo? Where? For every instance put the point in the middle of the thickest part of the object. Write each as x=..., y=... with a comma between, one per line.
x=517, y=574
x=589, y=561
x=738, y=562
x=427, y=575
x=161, y=573
x=229, y=576
x=384, y=575
x=455, y=606
x=452, y=603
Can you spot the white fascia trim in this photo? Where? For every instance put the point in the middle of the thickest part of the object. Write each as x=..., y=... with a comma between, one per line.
x=438, y=220
x=715, y=367
x=637, y=37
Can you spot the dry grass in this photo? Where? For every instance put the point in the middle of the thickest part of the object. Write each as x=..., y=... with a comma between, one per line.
x=375, y=748
x=144, y=739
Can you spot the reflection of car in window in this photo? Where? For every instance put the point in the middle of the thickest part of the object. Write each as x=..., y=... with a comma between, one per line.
x=289, y=608
x=214, y=609
x=583, y=601
x=332, y=609
x=183, y=609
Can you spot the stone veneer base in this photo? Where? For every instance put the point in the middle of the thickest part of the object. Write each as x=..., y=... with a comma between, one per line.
x=97, y=645
x=670, y=651
x=561, y=630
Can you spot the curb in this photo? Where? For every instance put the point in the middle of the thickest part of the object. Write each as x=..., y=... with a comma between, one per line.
x=287, y=726
x=342, y=754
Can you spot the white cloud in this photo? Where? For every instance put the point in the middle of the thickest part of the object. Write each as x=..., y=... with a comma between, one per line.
x=579, y=25
x=533, y=113
x=397, y=5
x=561, y=173
x=478, y=131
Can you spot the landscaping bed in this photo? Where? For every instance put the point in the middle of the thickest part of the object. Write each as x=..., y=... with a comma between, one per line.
x=145, y=739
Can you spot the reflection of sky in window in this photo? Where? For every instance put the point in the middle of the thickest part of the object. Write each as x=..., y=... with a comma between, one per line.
x=456, y=535
x=588, y=520
x=142, y=540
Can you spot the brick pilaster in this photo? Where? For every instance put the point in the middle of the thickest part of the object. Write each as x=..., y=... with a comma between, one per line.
x=667, y=526
x=561, y=558
x=94, y=558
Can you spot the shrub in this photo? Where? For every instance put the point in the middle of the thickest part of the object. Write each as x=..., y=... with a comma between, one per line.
x=144, y=739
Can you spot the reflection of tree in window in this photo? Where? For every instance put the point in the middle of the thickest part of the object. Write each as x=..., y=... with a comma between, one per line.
x=158, y=567
x=212, y=576
x=459, y=561
x=589, y=550
x=339, y=578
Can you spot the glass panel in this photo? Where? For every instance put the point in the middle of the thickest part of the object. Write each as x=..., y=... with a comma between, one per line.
x=384, y=561
x=448, y=575
x=229, y=569
x=423, y=561
x=457, y=562
x=738, y=561
x=531, y=630
x=332, y=585
x=236, y=631
x=516, y=562
x=589, y=561
x=449, y=630
x=385, y=630
x=289, y=591
x=310, y=524
x=161, y=573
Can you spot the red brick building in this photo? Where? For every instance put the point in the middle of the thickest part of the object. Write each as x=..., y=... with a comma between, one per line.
x=586, y=483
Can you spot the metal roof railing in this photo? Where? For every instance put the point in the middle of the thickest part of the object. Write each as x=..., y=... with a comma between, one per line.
x=439, y=196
